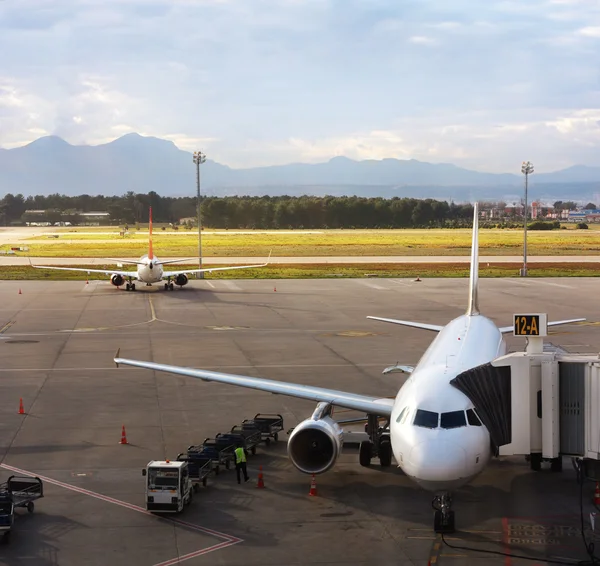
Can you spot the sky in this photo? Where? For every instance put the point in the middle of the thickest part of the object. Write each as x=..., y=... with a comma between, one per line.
x=484, y=85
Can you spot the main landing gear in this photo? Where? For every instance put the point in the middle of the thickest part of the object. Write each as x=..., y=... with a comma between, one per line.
x=169, y=285
x=378, y=445
x=443, y=519
x=130, y=286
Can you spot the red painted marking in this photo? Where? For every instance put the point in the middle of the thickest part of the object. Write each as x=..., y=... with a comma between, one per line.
x=229, y=540
x=507, y=559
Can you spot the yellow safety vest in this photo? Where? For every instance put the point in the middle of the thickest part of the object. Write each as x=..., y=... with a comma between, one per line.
x=240, y=456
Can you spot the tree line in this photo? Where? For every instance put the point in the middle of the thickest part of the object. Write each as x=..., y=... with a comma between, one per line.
x=265, y=212
x=233, y=212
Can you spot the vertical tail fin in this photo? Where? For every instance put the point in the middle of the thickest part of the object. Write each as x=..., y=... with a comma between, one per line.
x=473, y=307
x=150, y=254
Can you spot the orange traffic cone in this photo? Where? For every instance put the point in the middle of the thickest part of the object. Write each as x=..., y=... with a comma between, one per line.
x=87, y=282
x=275, y=289
x=21, y=409
x=597, y=494
x=313, y=486
x=20, y=291
x=123, y=436
x=260, y=482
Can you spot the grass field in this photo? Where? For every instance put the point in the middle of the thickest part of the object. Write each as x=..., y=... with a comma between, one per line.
x=327, y=243
x=308, y=271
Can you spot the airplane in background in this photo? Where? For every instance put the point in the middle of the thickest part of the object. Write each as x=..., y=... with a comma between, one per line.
x=432, y=428
x=150, y=269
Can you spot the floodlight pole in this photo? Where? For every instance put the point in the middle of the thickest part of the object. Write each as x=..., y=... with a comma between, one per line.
x=526, y=169
x=199, y=158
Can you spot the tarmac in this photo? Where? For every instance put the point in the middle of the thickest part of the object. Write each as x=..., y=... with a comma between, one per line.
x=57, y=343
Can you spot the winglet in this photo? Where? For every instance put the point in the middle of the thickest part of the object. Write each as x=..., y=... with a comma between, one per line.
x=269, y=258
x=473, y=307
x=117, y=357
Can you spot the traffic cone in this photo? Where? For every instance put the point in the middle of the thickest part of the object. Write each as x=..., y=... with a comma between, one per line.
x=260, y=482
x=123, y=436
x=418, y=278
x=20, y=291
x=275, y=289
x=313, y=486
x=87, y=282
x=21, y=409
x=597, y=494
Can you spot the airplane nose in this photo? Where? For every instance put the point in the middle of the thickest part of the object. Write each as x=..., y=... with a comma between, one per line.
x=436, y=460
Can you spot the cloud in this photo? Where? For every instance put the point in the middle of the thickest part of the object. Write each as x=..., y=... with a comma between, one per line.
x=271, y=81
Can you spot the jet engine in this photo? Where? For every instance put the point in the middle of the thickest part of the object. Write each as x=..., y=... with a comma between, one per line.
x=117, y=280
x=181, y=279
x=316, y=443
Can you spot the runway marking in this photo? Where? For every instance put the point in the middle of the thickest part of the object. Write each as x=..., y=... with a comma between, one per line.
x=371, y=285
x=231, y=285
x=555, y=284
x=210, y=284
x=229, y=540
x=152, y=309
x=6, y=326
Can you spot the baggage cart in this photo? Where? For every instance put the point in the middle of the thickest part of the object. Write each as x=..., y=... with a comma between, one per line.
x=200, y=466
x=247, y=435
x=268, y=424
x=221, y=450
x=17, y=491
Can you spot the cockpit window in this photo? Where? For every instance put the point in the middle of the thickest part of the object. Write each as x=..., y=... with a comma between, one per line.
x=453, y=419
x=472, y=418
x=426, y=419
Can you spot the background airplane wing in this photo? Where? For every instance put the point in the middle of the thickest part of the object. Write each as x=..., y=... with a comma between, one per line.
x=505, y=329
x=211, y=269
x=363, y=403
x=103, y=271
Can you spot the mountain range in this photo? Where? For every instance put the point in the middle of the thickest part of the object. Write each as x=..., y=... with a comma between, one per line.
x=142, y=164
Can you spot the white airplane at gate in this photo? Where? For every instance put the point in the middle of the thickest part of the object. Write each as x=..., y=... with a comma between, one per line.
x=150, y=269
x=435, y=434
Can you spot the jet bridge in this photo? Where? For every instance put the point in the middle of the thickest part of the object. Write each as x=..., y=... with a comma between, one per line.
x=543, y=403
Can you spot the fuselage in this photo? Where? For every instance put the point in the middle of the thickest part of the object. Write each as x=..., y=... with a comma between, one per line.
x=436, y=437
x=149, y=270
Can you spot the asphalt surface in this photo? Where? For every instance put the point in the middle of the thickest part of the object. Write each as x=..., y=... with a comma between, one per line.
x=57, y=342
x=91, y=261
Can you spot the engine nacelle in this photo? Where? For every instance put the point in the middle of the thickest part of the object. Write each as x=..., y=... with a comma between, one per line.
x=316, y=443
x=181, y=279
x=117, y=280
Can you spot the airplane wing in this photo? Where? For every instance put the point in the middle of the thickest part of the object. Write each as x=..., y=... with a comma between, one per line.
x=167, y=261
x=103, y=271
x=422, y=325
x=505, y=329
x=211, y=269
x=363, y=403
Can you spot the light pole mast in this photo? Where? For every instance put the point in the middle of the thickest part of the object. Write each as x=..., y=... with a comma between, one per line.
x=526, y=169
x=199, y=158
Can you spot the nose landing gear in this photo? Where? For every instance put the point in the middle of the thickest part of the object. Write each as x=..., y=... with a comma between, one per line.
x=443, y=519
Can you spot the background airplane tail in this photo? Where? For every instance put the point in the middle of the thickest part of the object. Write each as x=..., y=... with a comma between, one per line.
x=473, y=307
x=150, y=254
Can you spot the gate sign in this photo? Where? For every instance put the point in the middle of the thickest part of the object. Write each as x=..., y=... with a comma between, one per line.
x=530, y=324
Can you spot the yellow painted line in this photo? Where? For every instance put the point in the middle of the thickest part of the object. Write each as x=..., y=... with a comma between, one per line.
x=152, y=308
x=6, y=326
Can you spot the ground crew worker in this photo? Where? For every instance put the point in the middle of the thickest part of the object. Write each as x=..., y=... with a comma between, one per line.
x=241, y=456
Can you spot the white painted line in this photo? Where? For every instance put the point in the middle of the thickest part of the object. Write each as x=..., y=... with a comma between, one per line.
x=231, y=285
x=210, y=284
x=229, y=540
x=517, y=281
x=371, y=285
x=555, y=284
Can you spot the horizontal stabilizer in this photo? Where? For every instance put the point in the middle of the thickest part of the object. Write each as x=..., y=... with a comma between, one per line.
x=506, y=329
x=422, y=325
